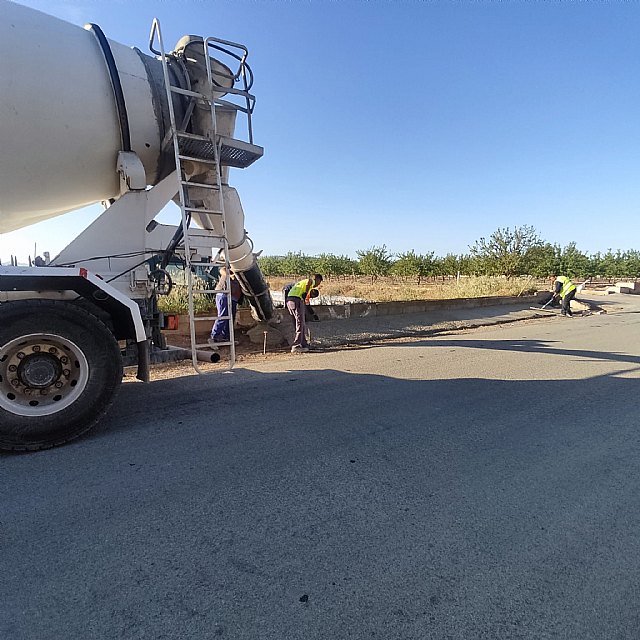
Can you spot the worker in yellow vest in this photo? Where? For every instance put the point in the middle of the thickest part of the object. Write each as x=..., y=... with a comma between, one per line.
x=296, y=300
x=564, y=289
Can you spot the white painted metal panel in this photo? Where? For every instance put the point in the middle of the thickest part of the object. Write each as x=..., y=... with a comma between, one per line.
x=41, y=274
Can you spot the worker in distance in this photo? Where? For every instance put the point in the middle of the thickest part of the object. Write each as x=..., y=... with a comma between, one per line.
x=565, y=291
x=296, y=301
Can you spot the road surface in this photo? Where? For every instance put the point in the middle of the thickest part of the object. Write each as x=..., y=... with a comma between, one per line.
x=484, y=484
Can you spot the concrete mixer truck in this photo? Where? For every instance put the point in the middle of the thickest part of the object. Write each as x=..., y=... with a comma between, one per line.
x=84, y=119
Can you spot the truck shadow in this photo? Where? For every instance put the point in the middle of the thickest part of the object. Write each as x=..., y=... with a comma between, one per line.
x=301, y=408
x=194, y=411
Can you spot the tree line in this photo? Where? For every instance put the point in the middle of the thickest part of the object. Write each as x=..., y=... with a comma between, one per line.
x=506, y=252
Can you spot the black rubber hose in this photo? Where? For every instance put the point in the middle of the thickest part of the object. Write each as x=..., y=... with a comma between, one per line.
x=118, y=93
x=256, y=289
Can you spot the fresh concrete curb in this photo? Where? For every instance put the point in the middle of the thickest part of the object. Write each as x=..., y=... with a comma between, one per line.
x=377, y=309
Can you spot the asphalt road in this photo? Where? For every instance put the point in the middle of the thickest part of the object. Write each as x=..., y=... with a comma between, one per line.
x=484, y=484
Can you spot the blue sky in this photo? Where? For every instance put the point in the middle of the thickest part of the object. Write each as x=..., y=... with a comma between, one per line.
x=415, y=125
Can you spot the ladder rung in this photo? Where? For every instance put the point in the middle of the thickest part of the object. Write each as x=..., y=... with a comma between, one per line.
x=211, y=236
x=204, y=185
x=209, y=291
x=218, y=344
x=205, y=160
x=213, y=242
x=196, y=146
x=210, y=212
x=217, y=238
x=192, y=136
x=212, y=290
x=210, y=318
x=216, y=291
x=187, y=92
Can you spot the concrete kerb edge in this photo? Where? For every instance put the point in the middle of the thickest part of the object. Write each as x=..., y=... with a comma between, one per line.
x=354, y=311
x=376, y=309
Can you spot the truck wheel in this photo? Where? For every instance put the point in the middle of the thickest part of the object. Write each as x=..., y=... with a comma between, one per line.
x=60, y=367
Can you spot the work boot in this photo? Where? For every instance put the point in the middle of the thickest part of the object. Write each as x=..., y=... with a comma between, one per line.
x=298, y=349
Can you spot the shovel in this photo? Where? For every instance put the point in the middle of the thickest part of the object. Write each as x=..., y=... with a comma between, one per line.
x=544, y=306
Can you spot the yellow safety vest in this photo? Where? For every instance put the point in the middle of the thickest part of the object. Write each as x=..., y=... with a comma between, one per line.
x=300, y=289
x=567, y=285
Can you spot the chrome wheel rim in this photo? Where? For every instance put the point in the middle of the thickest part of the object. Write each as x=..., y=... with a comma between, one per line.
x=41, y=374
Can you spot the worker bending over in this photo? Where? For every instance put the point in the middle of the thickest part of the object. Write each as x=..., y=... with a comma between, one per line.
x=564, y=289
x=309, y=314
x=296, y=301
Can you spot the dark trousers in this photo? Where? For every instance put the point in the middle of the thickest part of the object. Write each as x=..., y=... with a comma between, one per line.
x=566, y=303
x=296, y=307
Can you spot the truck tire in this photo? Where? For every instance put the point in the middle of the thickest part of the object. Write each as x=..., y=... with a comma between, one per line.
x=60, y=368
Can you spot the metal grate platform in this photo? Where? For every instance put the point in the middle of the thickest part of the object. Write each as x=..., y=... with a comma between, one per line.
x=233, y=153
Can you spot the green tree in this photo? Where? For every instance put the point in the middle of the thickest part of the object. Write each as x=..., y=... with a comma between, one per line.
x=543, y=261
x=450, y=265
x=331, y=265
x=270, y=265
x=406, y=265
x=412, y=265
x=595, y=262
x=374, y=262
x=347, y=266
x=608, y=264
x=464, y=264
x=429, y=265
x=573, y=262
x=296, y=264
x=632, y=264
x=504, y=252
x=324, y=264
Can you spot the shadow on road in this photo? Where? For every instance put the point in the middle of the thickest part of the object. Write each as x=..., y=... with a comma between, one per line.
x=548, y=347
x=322, y=504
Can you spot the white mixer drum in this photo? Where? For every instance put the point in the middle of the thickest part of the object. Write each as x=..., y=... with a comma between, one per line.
x=60, y=131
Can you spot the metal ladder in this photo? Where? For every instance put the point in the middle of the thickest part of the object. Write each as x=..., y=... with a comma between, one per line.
x=202, y=149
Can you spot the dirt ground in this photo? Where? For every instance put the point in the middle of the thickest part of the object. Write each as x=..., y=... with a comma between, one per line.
x=248, y=354
x=349, y=334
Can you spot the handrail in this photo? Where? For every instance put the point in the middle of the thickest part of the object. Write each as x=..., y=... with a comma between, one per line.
x=155, y=27
x=242, y=59
x=244, y=72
